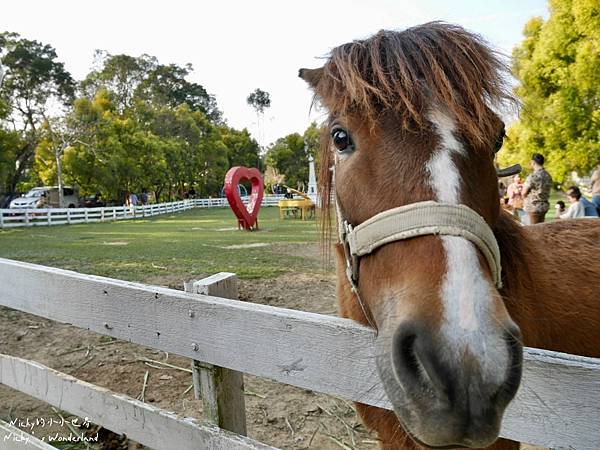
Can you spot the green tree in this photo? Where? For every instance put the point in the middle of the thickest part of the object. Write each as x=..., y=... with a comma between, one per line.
x=10, y=145
x=557, y=67
x=137, y=124
x=152, y=128
x=196, y=155
x=119, y=74
x=34, y=84
x=167, y=85
x=143, y=78
x=242, y=150
x=164, y=149
x=259, y=100
x=288, y=156
x=312, y=139
x=107, y=155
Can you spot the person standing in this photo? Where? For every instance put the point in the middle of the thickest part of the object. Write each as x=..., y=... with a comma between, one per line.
x=515, y=196
x=132, y=199
x=144, y=197
x=536, y=190
x=596, y=188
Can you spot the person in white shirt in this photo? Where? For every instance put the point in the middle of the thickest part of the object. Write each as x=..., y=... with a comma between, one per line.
x=577, y=209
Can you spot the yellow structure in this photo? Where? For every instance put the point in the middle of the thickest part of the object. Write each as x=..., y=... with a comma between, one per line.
x=297, y=208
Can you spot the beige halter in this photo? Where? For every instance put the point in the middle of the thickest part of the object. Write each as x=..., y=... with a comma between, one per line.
x=413, y=220
x=420, y=219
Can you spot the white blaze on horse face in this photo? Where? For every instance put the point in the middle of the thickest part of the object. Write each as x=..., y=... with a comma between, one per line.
x=442, y=170
x=467, y=295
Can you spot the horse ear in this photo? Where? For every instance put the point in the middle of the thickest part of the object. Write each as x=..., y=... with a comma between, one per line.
x=311, y=76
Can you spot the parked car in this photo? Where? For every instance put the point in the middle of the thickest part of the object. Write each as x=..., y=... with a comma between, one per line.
x=46, y=197
x=93, y=201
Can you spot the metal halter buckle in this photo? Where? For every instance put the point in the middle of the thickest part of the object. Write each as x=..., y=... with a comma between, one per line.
x=352, y=271
x=351, y=260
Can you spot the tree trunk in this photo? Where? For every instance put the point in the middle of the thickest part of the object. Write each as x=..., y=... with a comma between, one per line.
x=58, y=156
x=157, y=193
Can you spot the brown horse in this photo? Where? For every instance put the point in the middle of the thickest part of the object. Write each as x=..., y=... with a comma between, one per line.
x=411, y=121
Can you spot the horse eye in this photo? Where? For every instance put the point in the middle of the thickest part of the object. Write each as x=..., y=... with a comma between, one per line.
x=499, y=141
x=342, y=140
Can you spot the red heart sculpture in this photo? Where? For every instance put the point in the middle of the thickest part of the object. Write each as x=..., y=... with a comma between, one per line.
x=247, y=216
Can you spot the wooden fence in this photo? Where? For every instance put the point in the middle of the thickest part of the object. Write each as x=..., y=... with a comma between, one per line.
x=10, y=218
x=557, y=406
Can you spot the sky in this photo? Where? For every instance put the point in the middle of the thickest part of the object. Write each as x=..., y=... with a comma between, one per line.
x=238, y=46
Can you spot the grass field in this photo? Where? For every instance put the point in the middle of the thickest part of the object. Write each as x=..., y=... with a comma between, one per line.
x=190, y=244
x=193, y=243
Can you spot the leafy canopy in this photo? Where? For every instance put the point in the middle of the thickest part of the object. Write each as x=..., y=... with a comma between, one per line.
x=34, y=84
x=259, y=100
x=289, y=155
x=557, y=67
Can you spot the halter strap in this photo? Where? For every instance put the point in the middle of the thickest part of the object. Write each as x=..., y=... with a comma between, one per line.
x=418, y=219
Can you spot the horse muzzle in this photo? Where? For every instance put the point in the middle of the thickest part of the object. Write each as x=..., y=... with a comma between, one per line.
x=444, y=401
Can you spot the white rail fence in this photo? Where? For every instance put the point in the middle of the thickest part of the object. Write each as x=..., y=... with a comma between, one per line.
x=557, y=406
x=10, y=218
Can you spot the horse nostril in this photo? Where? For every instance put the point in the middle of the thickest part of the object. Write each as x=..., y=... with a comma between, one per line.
x=514, y=370
x=407, y=348
x=513, y=338
x=415, y=363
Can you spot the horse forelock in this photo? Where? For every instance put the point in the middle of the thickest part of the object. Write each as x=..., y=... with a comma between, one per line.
x=405, y=71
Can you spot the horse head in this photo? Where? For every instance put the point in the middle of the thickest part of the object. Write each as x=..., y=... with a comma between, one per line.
x=411, y=122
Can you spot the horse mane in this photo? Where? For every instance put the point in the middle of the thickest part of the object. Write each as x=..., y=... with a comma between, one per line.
x=513, y=244
x=407, y=72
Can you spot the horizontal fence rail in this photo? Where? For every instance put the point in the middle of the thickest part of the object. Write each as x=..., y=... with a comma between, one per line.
x=144, y=423
x=557, y=406
x=10, y=218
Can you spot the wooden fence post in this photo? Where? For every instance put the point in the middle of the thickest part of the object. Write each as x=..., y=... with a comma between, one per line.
x=221, y=389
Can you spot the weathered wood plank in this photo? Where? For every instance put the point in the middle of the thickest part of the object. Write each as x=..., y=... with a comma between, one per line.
x=146, y=424
x=13, y=438
x=222, y=284
x=321, y=353
x=221, y=389
x=558, y=403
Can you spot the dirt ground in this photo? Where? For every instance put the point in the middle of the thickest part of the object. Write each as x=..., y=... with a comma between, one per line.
x=280, y=415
